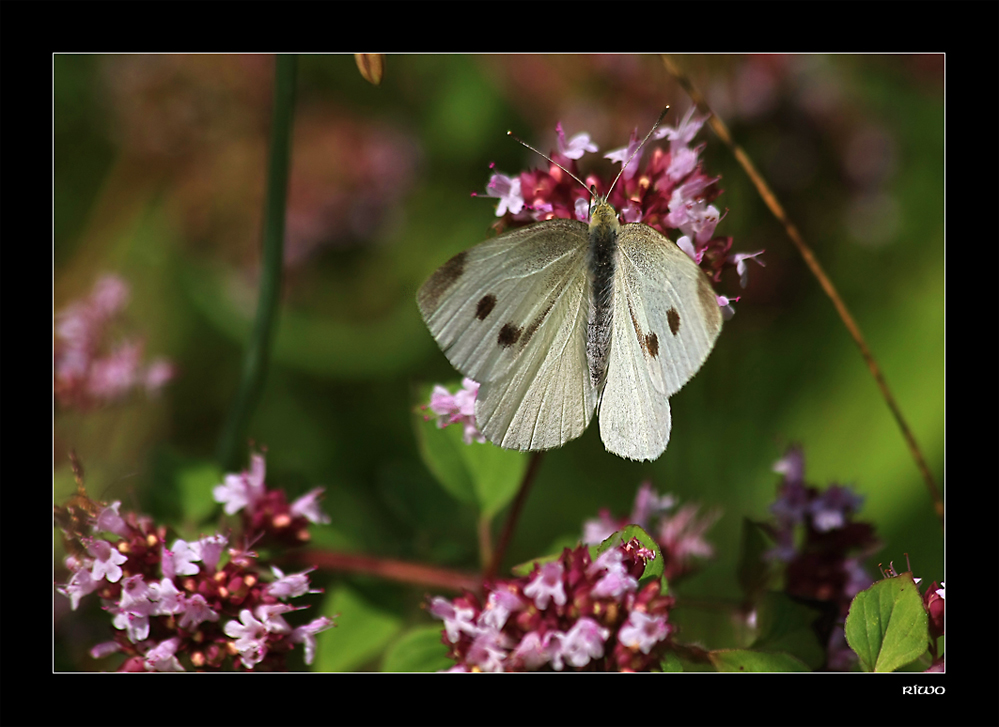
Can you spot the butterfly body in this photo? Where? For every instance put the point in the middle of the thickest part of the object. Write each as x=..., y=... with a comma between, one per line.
x=560, y=320
x=602, y=253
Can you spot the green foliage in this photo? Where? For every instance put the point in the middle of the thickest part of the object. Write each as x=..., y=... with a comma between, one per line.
x=746, y=660
x=419, y=649
x=362, y=632
x=482, y=475
x=671, y=663
x=887, y=624
x=786, y=626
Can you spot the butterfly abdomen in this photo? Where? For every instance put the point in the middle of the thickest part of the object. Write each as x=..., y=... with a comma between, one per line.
x=603, y=233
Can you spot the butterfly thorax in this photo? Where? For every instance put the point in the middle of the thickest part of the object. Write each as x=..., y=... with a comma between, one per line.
x=604, y=229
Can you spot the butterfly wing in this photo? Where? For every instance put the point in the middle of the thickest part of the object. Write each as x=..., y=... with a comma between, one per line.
x=521, y=299
x=666, y=320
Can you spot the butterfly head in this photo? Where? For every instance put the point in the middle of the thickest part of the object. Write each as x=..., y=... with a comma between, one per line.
x=603, y=216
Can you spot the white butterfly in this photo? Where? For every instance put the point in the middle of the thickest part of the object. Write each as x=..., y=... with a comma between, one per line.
x=561, y=319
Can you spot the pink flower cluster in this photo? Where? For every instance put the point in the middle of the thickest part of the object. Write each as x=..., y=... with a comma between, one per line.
x=90, y=370
x=184, y=606
x=266, y=513
x=680, y=535
x=670, y=193
x=572, y=613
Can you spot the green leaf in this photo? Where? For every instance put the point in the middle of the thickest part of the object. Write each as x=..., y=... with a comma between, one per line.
x=497, y=474
x=786, y=626
x=746, y=660
x=362, y=631
x=440, y=450
x=419, y=649
x=484, y=475
x=671, y=662
x=887, y=624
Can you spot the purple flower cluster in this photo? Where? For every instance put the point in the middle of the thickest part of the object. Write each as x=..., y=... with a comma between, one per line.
x=670, y=193
x=821, y=545
x=817, y=537
x=572, y=613
x=184, y=606
x=90, y=369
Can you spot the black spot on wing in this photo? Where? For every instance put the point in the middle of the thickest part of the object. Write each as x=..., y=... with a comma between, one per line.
x=649, y=342
x=441, y=281
x=673, y=318
x=652, y=345
x=508, y=335
x=485, y=306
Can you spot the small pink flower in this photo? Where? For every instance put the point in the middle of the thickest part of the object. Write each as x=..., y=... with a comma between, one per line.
x=307, y=506
x=306, y=635
x=643, y=631
x=547, y=585
x=242, y=490
x=622, y=155
x=290, y=586
x=457, y=408
x=250, y=638
x=576, y=146
x=684, y=132
x=507, y=189
x=107, y=561
x=585, y=641
x=739, y=260
x=161, y=657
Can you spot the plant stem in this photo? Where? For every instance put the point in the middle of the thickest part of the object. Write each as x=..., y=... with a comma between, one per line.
x=392, y=570
x=511, y=520
x=265, y=326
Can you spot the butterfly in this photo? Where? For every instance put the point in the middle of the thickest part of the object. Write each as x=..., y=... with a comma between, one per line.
x=561, y=320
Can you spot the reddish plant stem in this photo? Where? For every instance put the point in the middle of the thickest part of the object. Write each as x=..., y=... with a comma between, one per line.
x=393, y=570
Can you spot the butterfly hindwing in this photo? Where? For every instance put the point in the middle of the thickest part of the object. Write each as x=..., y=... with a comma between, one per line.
x=666, y=320
x=511, y=314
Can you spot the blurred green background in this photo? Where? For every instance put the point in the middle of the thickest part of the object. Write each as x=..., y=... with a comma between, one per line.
x=159, y=177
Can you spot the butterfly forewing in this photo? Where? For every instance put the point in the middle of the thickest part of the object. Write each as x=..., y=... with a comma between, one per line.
x=677, y=313
x=519, y=298
x=547, y=399
x=666, y=320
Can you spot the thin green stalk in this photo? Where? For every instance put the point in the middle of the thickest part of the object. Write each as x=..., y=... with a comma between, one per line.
x=258, y=351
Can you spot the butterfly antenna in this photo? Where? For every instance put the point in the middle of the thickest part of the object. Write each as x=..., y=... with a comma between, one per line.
x=638, y=149
x=524, y=143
